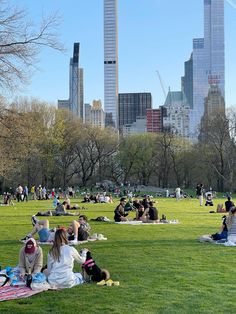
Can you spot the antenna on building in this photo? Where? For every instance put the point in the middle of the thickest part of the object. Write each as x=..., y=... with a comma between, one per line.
x=162, y=84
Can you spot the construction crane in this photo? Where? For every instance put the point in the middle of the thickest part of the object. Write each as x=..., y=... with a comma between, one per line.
x=162, y=84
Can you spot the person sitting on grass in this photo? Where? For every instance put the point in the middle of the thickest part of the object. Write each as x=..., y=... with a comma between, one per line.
x=228, y=204
x=78, y=230
x=150, y=214
x=223, y=233
x=30, y=259
x=231, y=225
x=120, y=214
x=220, y=208
x=139, y=212
x=60, y=263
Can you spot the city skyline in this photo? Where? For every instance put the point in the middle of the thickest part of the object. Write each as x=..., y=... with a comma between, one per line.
x=154, y=37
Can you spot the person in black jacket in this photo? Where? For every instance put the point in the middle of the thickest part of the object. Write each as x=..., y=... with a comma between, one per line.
x=120, y=214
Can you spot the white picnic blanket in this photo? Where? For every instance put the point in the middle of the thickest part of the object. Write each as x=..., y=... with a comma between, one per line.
x=139, y=223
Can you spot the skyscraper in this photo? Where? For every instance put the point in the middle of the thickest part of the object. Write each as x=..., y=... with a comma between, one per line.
x=208, y=60
x=75, y=103
x=111, y=63
x=76, y=84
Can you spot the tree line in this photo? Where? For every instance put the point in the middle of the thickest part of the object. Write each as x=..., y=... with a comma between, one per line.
x=42, y=145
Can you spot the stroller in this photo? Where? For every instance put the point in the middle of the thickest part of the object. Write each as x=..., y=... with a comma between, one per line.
x=209, y=199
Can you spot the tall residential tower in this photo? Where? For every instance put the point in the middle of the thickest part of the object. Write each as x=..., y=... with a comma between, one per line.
x=75, y=103
x=111, y=63
x=208, y=60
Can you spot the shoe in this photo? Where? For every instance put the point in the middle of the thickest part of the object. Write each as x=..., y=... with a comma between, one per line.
x=101, y=283
x=74, y=242
x=116, y=283
x=25, y=238
x=34, y=220
x=94, y=236
x=101, y=237
x=109, y=282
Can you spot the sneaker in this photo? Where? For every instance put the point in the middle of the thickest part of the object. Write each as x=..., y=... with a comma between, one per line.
x=109, y=282
x=101, y=237
x=94, y=236
x=101, y=283
x=25, y=238
x=74, y=242
x=34, y=220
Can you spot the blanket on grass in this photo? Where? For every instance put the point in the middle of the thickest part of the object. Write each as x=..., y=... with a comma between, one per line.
x=94, y=237
x=11, y=293
x=208, y=238
x=139, y=223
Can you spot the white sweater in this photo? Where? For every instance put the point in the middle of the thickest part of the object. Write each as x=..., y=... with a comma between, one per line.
x=60, y=273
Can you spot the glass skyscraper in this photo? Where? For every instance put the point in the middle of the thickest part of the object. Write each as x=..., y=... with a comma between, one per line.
x=208, y=60
x=110, y=63
x=76, y=95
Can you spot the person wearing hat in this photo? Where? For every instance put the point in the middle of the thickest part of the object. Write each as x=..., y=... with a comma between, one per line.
x=30, y=258
x=120, y=214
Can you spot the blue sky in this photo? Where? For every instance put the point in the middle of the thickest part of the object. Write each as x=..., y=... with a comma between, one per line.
x=152, y=35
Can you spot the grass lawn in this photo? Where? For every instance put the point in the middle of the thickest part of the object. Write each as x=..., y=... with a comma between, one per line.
x=161, y=268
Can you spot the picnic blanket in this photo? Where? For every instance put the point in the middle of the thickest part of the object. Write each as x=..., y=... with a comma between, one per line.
x=92, y=238
x=139, y=223
x=14, y=292
x=208, y=239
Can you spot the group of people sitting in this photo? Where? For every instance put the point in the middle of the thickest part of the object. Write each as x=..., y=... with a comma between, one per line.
x=228, y=204
x=60, y=262
x=145, y=210
x=98, y=198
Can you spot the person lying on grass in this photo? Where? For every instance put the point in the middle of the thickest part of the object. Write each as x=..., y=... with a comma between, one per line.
x=77, y=230
x=60, y=210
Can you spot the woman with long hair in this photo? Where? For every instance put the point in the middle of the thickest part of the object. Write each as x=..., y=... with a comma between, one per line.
x=60, y=264
x=231, y=225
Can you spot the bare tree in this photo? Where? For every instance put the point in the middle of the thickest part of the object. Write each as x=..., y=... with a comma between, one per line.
x=20, y=43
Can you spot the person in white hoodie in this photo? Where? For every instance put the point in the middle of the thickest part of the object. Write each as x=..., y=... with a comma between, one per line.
x=60, y=263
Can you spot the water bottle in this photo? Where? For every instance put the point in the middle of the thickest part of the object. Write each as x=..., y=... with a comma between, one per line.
x=28, y=280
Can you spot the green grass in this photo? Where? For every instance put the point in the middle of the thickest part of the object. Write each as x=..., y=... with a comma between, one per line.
x=161, y=268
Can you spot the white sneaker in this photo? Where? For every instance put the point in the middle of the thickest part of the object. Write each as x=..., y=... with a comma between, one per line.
x=101, y=237
x=73, y=242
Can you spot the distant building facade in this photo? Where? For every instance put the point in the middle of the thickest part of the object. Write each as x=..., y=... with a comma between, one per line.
x=176, y=117
x=94, y=114
x=133, y=106
x=214, y=102
x=63, y=104
x=155, y=120
x=137, y=127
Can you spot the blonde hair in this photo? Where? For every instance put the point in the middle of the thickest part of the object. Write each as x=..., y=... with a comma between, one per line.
x=59, y=240
x=232, y=212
